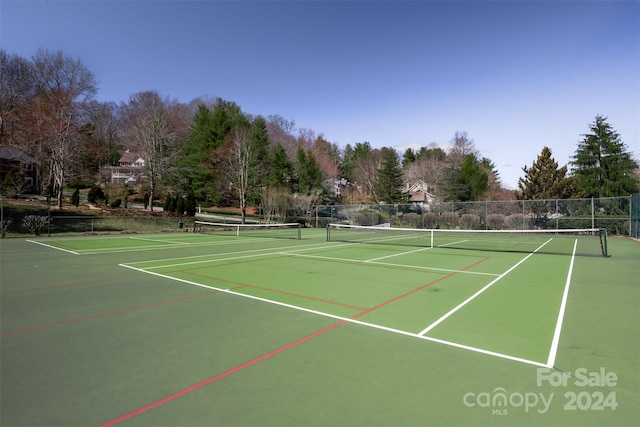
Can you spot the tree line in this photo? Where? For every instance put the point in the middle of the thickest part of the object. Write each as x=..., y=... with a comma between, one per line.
x=211, y=152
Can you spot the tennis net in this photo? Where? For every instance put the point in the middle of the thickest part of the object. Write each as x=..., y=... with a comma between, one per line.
x=586, y=241
x=275, y=231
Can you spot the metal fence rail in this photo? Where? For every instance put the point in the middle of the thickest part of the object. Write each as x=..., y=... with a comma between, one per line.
x=619, y=215
x=635, y=216
x=613, y=213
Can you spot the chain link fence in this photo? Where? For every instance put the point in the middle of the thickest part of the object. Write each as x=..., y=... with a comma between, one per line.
x=619, y=215
x=612, y=213
x=22, y=216
x=635, y=216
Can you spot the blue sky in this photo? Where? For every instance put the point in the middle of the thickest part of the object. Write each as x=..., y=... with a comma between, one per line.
x=515, y=75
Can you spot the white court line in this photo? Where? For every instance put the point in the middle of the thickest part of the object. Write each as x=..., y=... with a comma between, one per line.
x=158, y=248
x=416, y=250
x=159, y=240
x=208, y=261
x=52, y=247
x=556, y=335
x=345, y=319
x=211, y=257
x=399, y=254
x=472, y=297
x=387, y=264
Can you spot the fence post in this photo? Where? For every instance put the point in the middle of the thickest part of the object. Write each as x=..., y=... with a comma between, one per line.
x=630, y=215
x=486, y=214
x=593, y=219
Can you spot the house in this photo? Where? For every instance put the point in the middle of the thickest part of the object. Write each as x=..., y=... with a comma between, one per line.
x=419, y=193
x=19, y=172
x=130, y=168
x=335, y=186
x=131, y=160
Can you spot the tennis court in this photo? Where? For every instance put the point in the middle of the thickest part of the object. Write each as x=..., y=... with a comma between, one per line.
x=370, y=328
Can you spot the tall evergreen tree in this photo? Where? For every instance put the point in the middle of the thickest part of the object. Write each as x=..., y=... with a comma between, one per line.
x=259, y=162
x=467, y=182
x=388, y=187
x=409, y=156
x=194, y=164
x=544, y=179
x=209, y=129
x=602, y=164
x=280, y=168
x=352, y=156
x=309, y=172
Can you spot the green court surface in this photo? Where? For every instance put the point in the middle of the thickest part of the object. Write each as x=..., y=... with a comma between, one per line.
x=184, y=329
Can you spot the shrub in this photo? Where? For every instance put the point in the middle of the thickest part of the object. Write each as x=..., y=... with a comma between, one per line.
x=168, y=204
x=180, y=205
x=413, y=220
x=75, y=198
x=371, y=218
x=190, y=204
x=430, y=220
x=469, y=221
x=516, y=221
x=5, y=227
x=495, y=221
x=449, y=219
x=96, y=195
x=35, y=223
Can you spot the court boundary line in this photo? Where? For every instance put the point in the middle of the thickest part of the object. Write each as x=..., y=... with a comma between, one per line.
x=387, y=264
x=345, y=319
x=211, y=257
x=555, y=342
x=146, y=239
x=475, y=295
x=175, y=245
x=52, y=247
x=276, y=252
x=371, y=260
x=263, y=288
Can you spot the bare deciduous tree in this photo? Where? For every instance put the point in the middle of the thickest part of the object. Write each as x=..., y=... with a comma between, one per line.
x=365, y=172
x=239, y=164
x=154, y=127
x=17, y=86
x=64, y=86
x=461, y=147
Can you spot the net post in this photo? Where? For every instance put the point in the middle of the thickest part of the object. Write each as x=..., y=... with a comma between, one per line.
x=603, y=242
x=431, y=239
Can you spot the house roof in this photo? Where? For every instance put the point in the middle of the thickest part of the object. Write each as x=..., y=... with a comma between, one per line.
x=419, y=196
x=11, y=153
x=418, y=185
x=129, y=157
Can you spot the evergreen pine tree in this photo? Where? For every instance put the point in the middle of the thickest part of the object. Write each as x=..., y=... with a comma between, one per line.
x=309, y=172
x=544, y=179
x=280, y=168
x=602, y=164
x=388, y=187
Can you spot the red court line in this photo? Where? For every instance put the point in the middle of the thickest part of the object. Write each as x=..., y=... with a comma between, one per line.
x=426, y=285
x=272, y=353
x=274, y=290
x=110, y=313
x=219, y=376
